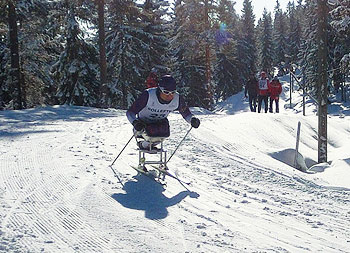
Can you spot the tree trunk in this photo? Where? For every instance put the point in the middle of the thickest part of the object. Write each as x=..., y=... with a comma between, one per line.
x=102, y=48
x=207, y=57
x=72, y=51
x=322, y=79
x=14, y=51
x=123, y=80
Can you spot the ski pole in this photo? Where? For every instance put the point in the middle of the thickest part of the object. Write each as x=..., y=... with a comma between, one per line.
x=122, y=150
x=179, y=144
x=116, y=175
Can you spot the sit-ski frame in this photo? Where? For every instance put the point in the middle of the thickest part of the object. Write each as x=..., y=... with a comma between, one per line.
x=161, y=163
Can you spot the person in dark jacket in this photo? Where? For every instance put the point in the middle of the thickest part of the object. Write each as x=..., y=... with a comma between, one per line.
x=251, y=88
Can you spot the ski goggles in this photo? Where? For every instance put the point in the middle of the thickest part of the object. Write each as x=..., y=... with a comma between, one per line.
x=167, y=92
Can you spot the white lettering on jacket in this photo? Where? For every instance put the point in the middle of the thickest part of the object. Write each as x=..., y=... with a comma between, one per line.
x=154, y=110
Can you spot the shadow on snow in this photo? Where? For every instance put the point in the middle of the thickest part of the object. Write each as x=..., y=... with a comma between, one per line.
x=16, y=123
x=144, y=194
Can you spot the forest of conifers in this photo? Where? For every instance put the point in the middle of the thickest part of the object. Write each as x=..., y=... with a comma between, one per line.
x=99, y=52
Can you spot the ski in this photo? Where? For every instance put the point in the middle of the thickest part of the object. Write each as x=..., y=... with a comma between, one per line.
x=149, y=175
x=167, y=173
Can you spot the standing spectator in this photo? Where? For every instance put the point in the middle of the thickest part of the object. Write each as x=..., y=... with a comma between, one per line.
x=152, y=79
x=263, y=91
x=252, y=89
x=275, y=89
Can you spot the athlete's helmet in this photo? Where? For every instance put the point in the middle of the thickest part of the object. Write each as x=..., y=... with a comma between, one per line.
x=167, y=83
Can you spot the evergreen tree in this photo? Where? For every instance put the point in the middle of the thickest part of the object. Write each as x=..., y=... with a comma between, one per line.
x=247, y=49
x=210, y=50
x=125, y=46
x=308, y=51
x=102, y=49
x=38, y=50
x=155, y=34
x=196, y=25
x=279, y=39
x=76, y=70
x=265, y=43
x=179, y=62
x=16, y=81
x=53, y=34
x=194, y=37
x=294, y=33
x=341, y=26
x=226, y=66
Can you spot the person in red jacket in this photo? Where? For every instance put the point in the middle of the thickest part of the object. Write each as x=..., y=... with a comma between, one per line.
x=152, y=79
x=263, y=94
x=275, y=89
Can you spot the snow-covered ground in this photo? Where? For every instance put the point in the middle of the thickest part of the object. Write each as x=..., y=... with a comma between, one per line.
x=58, y=194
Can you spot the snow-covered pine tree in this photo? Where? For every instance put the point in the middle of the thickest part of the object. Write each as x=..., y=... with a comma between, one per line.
x=156, y=33
x=193, y=36
x=178, y=62
x=308, y=50
x=341, y=24
x=226, y=69
x=300, y=13
x=265, y=43
x=336, y=52
x=102, y=51
x=38, y=50
x=41, y=38
x=15, y=77
x=247, y=48
x=76, y=71
x=125, y=53
x=294, y=33
x=279, y=39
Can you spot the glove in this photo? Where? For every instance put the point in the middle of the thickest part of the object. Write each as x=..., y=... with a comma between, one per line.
x=139, y=125
x=195, y=122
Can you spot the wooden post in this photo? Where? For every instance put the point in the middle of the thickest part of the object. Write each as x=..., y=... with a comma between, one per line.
x=297, y=146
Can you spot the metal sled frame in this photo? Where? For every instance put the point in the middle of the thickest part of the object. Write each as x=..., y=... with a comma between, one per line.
x=161, y=153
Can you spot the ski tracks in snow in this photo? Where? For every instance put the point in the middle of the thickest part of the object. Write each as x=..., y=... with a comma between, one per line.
x=313, y=220
x=59, y=195
x=46, y=183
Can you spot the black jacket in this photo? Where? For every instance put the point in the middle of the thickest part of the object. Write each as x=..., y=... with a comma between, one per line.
x=251, y=87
